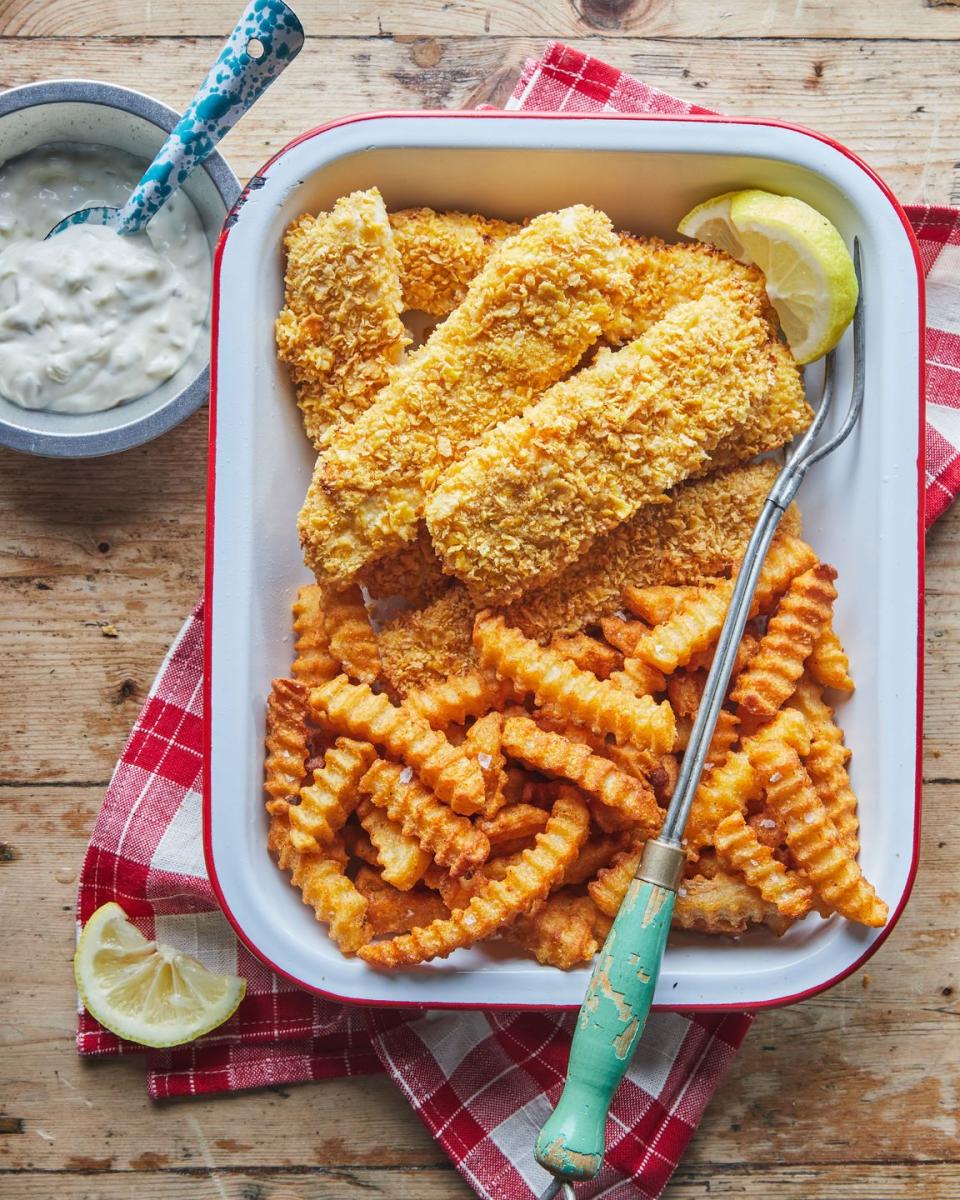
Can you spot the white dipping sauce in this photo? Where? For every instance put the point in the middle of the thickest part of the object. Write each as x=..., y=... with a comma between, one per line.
x=89, y=319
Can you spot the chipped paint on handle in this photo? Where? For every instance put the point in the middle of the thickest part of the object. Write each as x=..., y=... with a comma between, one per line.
x=611, y=1020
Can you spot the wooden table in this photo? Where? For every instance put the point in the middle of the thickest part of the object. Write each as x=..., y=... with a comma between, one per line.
x=853, y=1094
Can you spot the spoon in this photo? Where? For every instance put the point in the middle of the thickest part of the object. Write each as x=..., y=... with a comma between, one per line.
x=268, y=37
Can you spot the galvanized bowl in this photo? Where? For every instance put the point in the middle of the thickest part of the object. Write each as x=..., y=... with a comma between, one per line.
x=82, y=110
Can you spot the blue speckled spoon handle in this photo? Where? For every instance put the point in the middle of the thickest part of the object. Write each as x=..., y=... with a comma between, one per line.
x=612, y=1018
x=268, y=37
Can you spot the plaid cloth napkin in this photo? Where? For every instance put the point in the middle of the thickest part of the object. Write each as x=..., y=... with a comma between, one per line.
x=483, y=1083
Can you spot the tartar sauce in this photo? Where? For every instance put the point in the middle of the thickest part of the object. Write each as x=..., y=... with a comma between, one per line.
x=89, y=319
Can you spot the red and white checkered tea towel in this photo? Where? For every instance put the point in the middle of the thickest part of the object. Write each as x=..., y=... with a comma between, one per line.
x=483, y=1083
x=565, y=80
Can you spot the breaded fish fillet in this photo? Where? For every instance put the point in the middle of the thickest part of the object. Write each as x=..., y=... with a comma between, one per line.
x=527, y=318
x=440, y=253
x=699, y=535
x=340, y=329
x=539, y=488
x=413, y=572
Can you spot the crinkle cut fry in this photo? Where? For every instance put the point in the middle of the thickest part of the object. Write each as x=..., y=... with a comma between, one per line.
x=538, y=489
x=813, y=842
x=724, y=904
x=391, y=911
x=828, y=662
x=441, y=252
x=562, y=933
x=699, y=535
x=657, y=602
x=555, y=681
x=353, y=642
x=328, y=801
x=323, y=885
x=526, y=320
x=399, y=855
x=740, y=850
x=452, y=700
x=356, y=711
x=484, y=741
x=553, y=754
x=697, y=623
x=610, y=886
x=538, y=872
x=589, y=654
x=314, y=664
x=733, y=782
x=517, y=821
x=450, y=838
x=801, y=615
x=286, y=742
x=340, y=330
x=826, y=762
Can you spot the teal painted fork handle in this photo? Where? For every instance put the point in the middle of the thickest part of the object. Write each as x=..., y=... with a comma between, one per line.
x=235, y=81
x=611, y=1020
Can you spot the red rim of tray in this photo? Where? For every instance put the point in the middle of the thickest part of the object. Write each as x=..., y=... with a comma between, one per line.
x=498, y=114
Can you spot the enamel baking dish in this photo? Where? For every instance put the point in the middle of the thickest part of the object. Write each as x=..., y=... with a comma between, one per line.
x=862, y=510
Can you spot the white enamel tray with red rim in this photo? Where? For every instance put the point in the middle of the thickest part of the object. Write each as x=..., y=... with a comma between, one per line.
x=862, y=511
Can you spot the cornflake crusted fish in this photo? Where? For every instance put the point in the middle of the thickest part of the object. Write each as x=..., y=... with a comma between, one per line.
x=527, y=318
x=538, y=489
x=340, y=330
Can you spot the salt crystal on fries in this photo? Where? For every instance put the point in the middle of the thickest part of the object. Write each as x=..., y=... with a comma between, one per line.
x=484, y=741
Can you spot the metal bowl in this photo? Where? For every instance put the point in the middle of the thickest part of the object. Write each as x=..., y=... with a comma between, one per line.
x=82, y=110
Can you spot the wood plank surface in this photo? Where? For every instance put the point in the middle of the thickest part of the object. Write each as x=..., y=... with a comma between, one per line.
x=852, y=1094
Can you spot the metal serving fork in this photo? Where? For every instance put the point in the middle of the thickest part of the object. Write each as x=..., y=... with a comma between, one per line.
x=618, y=999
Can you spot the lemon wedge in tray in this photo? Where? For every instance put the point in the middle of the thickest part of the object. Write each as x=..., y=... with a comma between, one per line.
x=809, y=273
x=144, y=991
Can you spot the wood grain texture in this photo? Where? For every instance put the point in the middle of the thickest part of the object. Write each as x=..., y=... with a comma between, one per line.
x=910, y=19
x=852, y=1094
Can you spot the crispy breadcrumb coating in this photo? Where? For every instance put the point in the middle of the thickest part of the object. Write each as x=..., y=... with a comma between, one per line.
x=663, y=275
x=413, y=572
x=440, y=253
x=699, y=535
x=529, y=315
x=538, y=489
x=340, y=329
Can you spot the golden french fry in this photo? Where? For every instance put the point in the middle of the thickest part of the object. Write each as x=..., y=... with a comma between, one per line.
x=483, y=742
x=286, y=742
x=725, y=735
x=663, y=778
x=623, y=634
x=326, y=803
x=450, y=838
x=391, y=911
x=452, y=700
x=539, y=870
x=562, y=932
x=400, y=856
x=697, y=622
x=774, y=670
x=610, y=886
x=639, y=677
x=314, y=664
x=323, y=885
x=813, y=841
x=740, y=850
x=554, y=680
x=658, y=602
x=356, y=711
x=684, y=690
x=827, y=760
x=588, y=654
x=766, y=828
x=746, y=649
x=733, y=782
x=828, y=662
x=358, y=844
x=512, y=823
x=353, y=642
x=723, y=904
x=555, y=755
x=595, y=854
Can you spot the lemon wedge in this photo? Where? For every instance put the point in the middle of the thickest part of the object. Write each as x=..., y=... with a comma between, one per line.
x=144, y=991
x=808, y=270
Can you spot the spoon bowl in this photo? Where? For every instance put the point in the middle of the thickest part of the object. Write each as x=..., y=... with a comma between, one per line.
x=98, y=215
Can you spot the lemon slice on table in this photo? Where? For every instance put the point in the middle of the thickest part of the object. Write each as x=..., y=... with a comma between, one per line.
x=809, y=273
x=144, y=991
